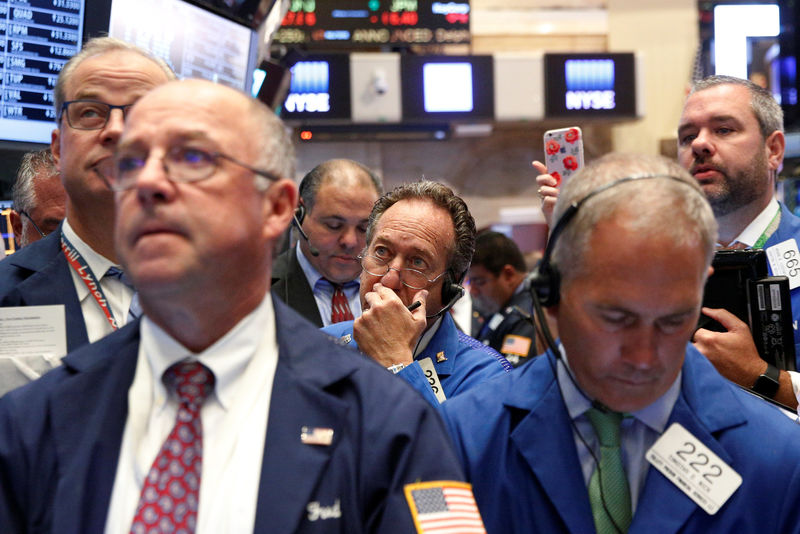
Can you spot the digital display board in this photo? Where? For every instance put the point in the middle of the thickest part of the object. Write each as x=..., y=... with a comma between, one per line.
x=37, y=37
x=320, y=89
x=196, y=43
x=590, y=85
x=445, y=88
x=357, y=24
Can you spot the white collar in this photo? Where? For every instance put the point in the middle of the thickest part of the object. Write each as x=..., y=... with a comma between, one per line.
x=758, y=226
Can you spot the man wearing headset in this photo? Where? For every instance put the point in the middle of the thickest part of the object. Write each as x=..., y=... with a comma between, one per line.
x=625, y=426
x=335, y=200
x=420, y=241
x=730, y=138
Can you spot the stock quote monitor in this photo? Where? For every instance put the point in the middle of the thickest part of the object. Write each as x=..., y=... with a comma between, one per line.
x=585, y=86
x=37, y=38
x=196, y=43
x=319, y=89
x=443, y=88
x=359, y=24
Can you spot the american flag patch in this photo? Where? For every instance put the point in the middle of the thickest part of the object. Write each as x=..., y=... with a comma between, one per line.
x=513, y=344
x=444, y=507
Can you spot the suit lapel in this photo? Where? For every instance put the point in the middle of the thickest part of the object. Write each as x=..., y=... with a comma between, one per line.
x=293, y=288
x=298, y=399
x=88, y=453
x=544, y=438
x=705, y=407
x=52, y=282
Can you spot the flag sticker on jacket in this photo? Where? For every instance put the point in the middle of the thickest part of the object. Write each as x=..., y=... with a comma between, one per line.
x=513, y=344
x=444, y=507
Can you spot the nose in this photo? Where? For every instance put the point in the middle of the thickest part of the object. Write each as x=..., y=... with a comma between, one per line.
x=702, y=144
x=348, y=239
x=392, y=278
x=112, y=131
x=152, y=182
x=640, y=349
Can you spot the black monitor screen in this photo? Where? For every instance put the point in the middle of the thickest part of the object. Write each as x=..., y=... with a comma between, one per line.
x=590, y=85
x=37, y=39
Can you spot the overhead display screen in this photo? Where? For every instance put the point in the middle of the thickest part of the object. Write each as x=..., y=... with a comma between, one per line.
x=196, y=43
x=37, y=37
x=358, y=24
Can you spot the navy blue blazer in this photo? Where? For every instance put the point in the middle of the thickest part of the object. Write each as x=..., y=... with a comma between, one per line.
x=518, y=450
x=39, y=275
x=60, y=438
x=789, y=228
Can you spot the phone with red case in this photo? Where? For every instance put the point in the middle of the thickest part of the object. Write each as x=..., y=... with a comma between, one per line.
x=563, y=152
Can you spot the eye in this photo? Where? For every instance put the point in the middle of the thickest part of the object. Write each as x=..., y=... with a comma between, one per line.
x=194, y=157
x=418, y=264
x=724, y=131
x=616, y=318
x=686, y=139
x=672, y=324
x=362, y=228
x=333, y=226
x=381, y=252
x=89, y=110
x=127, y=164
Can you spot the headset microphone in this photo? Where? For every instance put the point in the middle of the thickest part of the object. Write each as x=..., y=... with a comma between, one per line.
x=299, y=215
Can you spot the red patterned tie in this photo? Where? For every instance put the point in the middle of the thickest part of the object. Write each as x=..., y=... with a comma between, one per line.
x=340, y=309
x=171, y=491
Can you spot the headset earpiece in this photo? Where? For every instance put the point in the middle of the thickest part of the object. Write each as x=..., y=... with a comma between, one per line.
x=300, y=213
x=545, y=281
x=451, y=291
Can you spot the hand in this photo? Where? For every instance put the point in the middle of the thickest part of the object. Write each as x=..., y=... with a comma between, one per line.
x=733, y=353
x=547, y=190
x=386, y=331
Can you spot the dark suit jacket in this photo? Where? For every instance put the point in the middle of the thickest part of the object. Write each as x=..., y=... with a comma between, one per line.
x=289, y=283
x=39, y=275
x=518, y=449
x=60, y=439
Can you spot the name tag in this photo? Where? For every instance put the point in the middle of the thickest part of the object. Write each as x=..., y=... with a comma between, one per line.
x=694, y=468
x=784, y=260
x=433, y=379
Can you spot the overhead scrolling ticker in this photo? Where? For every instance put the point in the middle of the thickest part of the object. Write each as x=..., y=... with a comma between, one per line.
x=369, y=23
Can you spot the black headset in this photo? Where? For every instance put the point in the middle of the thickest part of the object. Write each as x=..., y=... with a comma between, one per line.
x=545, y=280
x=451, y=291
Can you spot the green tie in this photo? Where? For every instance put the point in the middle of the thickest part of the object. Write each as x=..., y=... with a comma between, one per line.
x=611, y=505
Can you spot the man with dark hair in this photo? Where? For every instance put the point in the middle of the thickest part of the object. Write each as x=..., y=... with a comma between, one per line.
x=496, y=283
x=625, y=426
x=39, y=198
x=319, y=277
x=220, y=410
x=77, y=266
x=420, y=241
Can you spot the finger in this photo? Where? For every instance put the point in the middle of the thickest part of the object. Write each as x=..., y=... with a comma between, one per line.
x=727, y=319
x=421, y=296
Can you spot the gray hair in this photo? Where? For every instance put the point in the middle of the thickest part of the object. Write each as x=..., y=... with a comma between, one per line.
x=311, y=182
x=34, y=166
x=275, y=148
x=97, y=47
x=671, y=204
x=460, y=256
x=767, y=111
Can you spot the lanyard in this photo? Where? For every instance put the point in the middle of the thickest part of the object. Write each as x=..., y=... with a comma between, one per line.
x=771, y=227
x=75, y=259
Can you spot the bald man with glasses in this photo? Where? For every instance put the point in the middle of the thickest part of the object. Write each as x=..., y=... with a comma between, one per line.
x=76, y=265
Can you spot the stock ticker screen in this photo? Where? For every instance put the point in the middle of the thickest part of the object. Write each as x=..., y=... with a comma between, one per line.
x=354, y=24
x=36, y=38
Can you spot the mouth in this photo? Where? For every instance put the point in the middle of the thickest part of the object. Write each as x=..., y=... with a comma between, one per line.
x=704, y=173
x=155, y=229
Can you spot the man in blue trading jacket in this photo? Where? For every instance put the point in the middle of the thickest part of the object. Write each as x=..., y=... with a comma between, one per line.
x=625, y=426
x=221, y=410
x=420, y=240
x=730, y=138
x=497, y=286
x=94, y=89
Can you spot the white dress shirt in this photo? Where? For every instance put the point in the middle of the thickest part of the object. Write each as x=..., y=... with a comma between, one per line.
x=117, y=294
x=234, y=421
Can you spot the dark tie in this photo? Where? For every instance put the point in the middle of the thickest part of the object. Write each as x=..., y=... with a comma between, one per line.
x=171, y=490
x=609, y=493
x=340, y=309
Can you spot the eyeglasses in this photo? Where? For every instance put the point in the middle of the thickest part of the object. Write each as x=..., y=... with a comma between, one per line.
x=89, y=114
x=25, y=213
x=181, y=164
x=409, y=277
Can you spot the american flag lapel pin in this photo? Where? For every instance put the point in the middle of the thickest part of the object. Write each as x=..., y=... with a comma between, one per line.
x=312, y=435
